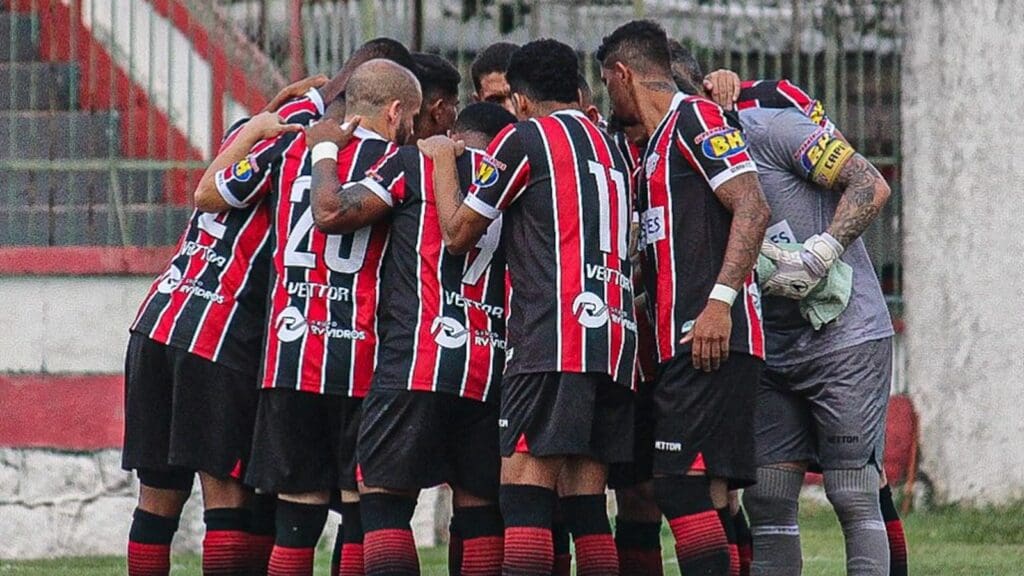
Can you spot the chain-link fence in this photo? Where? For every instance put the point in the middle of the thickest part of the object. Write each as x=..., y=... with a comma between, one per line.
x=109, y=109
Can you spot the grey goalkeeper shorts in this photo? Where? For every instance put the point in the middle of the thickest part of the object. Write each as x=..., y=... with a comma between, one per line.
x=829, y=411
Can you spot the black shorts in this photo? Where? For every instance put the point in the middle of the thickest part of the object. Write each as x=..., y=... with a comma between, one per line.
x=566, y=414
x=304, y=442
x=641, y=469
x=183, y=412
x=412, y=440
x=705, y=420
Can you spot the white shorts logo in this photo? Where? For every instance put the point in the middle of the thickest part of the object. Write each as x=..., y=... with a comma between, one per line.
x=169, y=281
x=590, y=310
x=449, y=333
x=290, y=324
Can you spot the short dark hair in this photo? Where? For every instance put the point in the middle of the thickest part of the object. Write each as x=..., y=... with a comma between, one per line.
x=494, y=58
x=584, y=88
x=640, y=44
x=685, y=69
x=388, y=49
x=545, y=70
x=437, y=76
x=487, y=118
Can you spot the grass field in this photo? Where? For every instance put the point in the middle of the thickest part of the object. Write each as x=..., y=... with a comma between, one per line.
x=946, y=542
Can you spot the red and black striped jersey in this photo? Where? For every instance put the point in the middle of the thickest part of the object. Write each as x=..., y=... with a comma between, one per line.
x=564, y=190
x=322, y=310
x=442, y=317
x=782, y=94
x=211, y=299
x=685, y=228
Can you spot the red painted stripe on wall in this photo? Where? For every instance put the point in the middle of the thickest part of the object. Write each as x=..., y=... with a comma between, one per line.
x=84, y=260
x=73, y=412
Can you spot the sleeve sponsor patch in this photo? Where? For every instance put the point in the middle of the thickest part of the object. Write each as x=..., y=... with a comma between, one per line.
x=822, y=156
x=487, y=172
x=721, y=143
x=243, y=170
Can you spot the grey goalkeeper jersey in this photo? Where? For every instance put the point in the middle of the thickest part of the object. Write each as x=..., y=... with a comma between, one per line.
x=792, y=152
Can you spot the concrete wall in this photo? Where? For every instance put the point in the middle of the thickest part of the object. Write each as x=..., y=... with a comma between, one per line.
x=64, y=502
x=963, y=78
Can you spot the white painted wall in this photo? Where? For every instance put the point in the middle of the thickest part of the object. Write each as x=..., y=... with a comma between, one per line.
x=160, y=59
x=964, y=186
x=67, y=324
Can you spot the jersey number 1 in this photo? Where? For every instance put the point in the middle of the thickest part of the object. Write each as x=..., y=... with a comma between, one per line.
x=604, y=210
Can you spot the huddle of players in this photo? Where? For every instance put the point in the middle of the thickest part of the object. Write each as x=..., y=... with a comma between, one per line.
x=383, y=277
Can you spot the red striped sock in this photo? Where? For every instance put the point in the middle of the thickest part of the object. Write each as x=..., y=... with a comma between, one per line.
x=528, y=551
x=148, y=559
x=149, y=544
x=894, y=532
x=286, y=561
x=390, y=551
x=260, y=547
x=352, y=562
x=596, y=555
x=639, y=547
x=226, y=552
x=482, y=556
x=701, y=545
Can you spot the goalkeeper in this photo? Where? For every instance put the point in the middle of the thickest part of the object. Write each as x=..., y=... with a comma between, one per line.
x=824, y=395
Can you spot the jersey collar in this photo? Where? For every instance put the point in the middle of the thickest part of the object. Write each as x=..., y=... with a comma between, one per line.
x=572, y=112
x=317, y=99
x=367, y=134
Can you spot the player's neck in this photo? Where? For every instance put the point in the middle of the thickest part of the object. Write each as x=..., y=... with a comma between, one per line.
x=655, y=100
x=377, y=124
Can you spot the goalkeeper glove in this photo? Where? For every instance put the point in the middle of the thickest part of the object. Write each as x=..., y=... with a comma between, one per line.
x=798, y=273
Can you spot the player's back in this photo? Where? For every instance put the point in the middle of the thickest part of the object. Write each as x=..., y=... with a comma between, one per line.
x=567, y=248
x=211, y=298
x=442, y=318
x=324, y=292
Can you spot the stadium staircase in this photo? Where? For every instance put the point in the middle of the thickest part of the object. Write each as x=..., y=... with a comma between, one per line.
x=75, y=200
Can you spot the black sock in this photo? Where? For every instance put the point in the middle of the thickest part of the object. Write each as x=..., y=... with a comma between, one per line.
x=352, y=539
x=894, y=532
x=639, y=547
x=561, y=542
x=149, y=543
x=744, y=541
x=701, y=543
x=481, y=531
x=587, y=517
x=388, y=544
x=454, y=545
x=339, y=542
x=299, y=525
x=527, y=511
x=730, y=536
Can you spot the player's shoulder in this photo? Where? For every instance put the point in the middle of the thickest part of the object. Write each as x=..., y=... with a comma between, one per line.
x=304, y=109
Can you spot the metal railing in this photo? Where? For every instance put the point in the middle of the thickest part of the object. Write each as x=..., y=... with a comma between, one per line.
x=109, y=109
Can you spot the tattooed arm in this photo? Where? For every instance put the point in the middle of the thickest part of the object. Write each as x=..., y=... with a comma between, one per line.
x=864, y=192
x=743, y=197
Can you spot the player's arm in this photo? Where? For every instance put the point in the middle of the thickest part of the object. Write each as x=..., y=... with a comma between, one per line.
x=461, y=226
x=723, y=159
x=865, y=192
x=295, y=90
x=342, y=207
x=500, y=176
x=256, y=138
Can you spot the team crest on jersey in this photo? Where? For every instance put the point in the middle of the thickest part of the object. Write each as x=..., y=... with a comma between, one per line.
x=290, y=324
x=815, y=111
x=721, y=143
x=590, y=311
x=651, y=164
x=449, y=333
x=487, y=172
x=243, y=170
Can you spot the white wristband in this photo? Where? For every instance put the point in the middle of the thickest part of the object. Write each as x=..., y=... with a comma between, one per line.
x=723, y=293
x=325, y=150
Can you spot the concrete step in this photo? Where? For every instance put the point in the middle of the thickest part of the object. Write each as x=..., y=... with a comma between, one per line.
x=16, y=41
x=98, y=225
x=59, y=135
x=37, y=85
x=80, y=188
